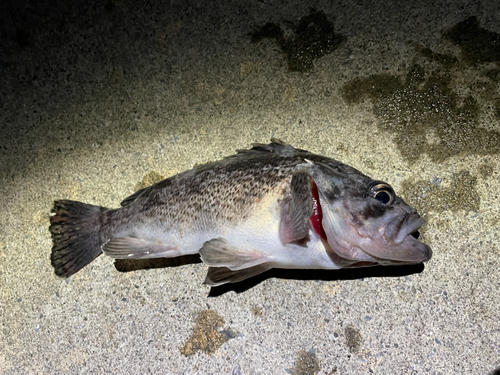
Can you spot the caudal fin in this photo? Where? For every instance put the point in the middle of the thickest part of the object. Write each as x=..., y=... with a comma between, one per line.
x=76, y=236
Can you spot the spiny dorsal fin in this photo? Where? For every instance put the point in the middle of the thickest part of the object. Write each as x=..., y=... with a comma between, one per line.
x=276, y=146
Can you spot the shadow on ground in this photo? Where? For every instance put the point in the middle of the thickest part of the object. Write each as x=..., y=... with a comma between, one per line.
x=128, y=265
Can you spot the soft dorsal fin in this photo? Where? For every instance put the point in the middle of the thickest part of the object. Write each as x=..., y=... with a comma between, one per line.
x=133, y=197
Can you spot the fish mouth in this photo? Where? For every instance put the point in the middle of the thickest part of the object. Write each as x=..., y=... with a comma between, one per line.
x=400, y=244
x=404, y=245
x=422, y=252
x=398, y=230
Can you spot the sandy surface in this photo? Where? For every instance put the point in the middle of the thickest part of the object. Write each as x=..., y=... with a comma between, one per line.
x=98, y=100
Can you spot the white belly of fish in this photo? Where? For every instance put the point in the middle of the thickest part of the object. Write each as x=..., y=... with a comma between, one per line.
x=250, y=242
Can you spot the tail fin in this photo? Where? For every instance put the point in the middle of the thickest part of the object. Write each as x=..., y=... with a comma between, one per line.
x=76, y=236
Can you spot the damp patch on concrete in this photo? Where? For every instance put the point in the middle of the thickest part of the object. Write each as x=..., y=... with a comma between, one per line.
x=206, y=336
x=257, y=310
x=353, y=338
x=149, y=179
x=437, y=195
x=306, y=363
x=441, y=106
x=485, y=170
x=313, y=37
x=478, y=45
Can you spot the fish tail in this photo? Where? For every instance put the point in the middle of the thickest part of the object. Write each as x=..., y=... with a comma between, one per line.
x=77, y=235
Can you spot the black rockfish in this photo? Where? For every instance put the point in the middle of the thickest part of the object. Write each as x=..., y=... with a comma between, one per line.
x=270, y=206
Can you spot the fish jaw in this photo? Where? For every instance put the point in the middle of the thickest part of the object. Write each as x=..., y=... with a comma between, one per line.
x=410, y=250
x=402, y=244
x=390, y=239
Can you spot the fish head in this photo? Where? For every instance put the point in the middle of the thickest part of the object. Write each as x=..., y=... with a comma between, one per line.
x=364, y=221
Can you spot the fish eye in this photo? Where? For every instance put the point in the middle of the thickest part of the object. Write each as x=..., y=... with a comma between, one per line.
x=382, y=192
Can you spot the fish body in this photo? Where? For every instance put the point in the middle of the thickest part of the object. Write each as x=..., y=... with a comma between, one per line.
x=273, y=206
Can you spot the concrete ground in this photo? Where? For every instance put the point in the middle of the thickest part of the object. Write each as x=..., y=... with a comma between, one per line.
x=100, y=98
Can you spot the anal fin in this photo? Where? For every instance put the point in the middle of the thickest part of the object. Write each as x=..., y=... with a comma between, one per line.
x=138, y=248
x=218, y=252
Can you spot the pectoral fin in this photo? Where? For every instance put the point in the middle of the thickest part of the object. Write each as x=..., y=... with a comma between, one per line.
x=218, y=252
x=221, y=275
x=138, y=248
x=296, y=209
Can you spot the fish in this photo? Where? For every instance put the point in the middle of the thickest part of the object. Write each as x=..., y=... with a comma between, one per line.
x=271, y=206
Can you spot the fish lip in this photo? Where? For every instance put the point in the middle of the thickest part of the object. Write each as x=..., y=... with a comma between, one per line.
x=408, y=225
x=417, y=251
x=397, y=231
x=398, y=235
x=420, y=253
x=425, y=249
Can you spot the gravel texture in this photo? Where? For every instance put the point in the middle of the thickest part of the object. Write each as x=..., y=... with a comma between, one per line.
x=100, y=98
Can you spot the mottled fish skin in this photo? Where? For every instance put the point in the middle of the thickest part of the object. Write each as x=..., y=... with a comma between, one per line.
x=246, y=214
x=218, y=194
